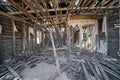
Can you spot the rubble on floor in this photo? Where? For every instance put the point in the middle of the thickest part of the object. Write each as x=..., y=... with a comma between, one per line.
x=74, y=66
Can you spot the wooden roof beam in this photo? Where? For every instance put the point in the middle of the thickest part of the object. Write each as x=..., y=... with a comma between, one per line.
x=84, y=1
x=39, y=8
x=14, y=17
x=111, y=4
x=16, y=5
x=64, y=9
x=55, y=7
x=45, y=6
x=31, y=6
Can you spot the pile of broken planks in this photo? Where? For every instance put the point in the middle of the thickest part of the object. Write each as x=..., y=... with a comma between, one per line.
x=97, y=69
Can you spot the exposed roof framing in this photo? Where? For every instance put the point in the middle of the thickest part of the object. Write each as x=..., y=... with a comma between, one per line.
x=51, y=12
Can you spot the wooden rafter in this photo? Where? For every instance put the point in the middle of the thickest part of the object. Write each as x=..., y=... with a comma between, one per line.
x=32, y=7
x=55, y=3
x=84, y=1
x=16, y=5
x=65, y=9
x=14, y=17
x=40, y=9
x=69, y=9
x=45, y=6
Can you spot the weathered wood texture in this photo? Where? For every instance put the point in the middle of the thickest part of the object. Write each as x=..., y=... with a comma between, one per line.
x=113, y=35
x=7, y=38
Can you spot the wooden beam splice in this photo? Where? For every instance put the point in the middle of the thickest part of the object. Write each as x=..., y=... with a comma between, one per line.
x=31, y=6
x=55, y=7
x=21, y=9
x=40, y=9
x=55, y=54
x=45, y=5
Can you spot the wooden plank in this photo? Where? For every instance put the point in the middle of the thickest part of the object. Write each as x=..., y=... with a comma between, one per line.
x=85, y=71
x=14, y=73
x=108, y=70
x=97, y=69
x=55, y=54
x=94, y=72
x=104, y=74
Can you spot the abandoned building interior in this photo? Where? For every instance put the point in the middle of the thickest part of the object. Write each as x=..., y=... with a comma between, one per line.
x=59, y=40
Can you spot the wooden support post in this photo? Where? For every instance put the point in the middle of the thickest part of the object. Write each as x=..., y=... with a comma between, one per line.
x=28, y=39
x=43, y=39
x=35, y=38
x=106, y=33
x=80, y=38
x=69, y=40
x=13, y=34
x=24, y=39
x=55, y=54
x=40, y=38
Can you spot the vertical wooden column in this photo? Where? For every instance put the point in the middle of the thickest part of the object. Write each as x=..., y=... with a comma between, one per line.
x=97, y=36
x=43, y=38
x=80, y=38
x=28, y=39
x=55, y=54
x=13, y=35
x=40, y=38
x=34, y=39
x=24, y=39
x=106, y=34
x=68, y=40
x=93, y=39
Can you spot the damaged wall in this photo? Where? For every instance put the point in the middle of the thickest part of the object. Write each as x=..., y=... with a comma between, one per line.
x=6, y=39
x=113, y=35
